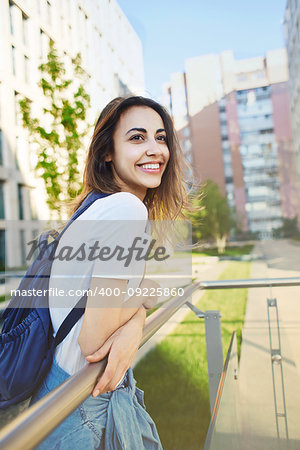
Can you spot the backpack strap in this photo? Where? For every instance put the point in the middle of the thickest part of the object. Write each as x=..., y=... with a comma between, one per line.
x=75, y=314
x=87, y=202
x=70, y=320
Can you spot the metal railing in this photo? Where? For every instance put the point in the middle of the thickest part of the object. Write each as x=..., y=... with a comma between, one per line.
x=36, y=423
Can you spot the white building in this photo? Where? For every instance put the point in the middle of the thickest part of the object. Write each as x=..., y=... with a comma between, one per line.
x=111, y=56
x=292, y=38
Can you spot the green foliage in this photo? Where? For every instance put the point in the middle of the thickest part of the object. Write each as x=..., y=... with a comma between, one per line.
x=59, y=133
x=215, y=219
x=289, y=229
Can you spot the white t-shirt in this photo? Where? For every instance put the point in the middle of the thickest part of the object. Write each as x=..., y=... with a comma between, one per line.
x=115, y=220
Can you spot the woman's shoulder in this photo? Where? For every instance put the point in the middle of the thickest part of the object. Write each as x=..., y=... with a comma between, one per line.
x=118, y=206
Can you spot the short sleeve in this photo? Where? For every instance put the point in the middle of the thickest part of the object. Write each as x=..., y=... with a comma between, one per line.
x=117, y=238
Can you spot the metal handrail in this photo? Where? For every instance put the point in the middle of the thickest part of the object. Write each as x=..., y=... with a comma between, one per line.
x=34, y=424
x=252, y=283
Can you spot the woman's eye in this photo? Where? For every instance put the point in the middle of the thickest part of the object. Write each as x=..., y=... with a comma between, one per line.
x=136, y=137
x=162, y=138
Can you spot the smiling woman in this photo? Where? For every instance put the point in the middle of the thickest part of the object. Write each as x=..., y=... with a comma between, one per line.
x=166, y=201
x=133, y=172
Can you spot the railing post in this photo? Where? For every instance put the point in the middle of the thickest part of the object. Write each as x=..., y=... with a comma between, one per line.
x=214, y=350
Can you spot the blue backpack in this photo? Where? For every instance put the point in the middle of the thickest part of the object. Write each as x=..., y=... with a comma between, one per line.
x=27, y=344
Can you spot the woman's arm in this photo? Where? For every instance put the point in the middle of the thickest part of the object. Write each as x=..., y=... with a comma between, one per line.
x=121, y=348
x=106, y=314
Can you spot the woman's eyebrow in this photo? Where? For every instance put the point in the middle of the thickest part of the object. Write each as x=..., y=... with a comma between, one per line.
x=142, y=130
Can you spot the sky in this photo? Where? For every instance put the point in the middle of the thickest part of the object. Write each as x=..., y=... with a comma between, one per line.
x=174, y=30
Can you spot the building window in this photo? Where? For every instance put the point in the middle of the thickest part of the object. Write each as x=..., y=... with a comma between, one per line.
x=32, y=206
x=70, y=40
x=13, y=59
x=22, y=246
x=41, y=43
x=11, y=16
x=26, y=69
x=44, y=44
x=2, y=250
x=48, y=12
x=25, y=29
x=17, y=108
x=17, y=152
x=1, y=149
x=20, y=202
x=2, y=210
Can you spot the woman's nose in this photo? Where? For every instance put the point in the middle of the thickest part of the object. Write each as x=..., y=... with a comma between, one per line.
x=153, y=148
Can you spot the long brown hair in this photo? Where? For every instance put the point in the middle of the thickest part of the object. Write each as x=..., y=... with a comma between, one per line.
x=165, y=202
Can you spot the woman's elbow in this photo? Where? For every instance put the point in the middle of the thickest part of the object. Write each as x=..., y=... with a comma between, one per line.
x=87, y=344
x=84, y=348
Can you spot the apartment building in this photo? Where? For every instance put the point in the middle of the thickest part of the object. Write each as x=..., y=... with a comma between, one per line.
x=112, y=59
x=292, y=39
x=235, y=123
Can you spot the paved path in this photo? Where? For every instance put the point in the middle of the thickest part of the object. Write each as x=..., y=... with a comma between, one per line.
x=256, y=381
x=280, y=254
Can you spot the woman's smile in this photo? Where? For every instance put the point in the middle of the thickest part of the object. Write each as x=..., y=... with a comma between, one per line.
x=150, y=167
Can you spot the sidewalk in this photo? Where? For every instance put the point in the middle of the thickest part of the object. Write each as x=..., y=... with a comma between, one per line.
x=256, y=383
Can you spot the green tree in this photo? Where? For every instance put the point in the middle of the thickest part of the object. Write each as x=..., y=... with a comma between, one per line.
x=59, y=131
x=289, y=228
x=215, y=219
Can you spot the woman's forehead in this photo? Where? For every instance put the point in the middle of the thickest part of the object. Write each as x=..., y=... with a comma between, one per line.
x=140, y=117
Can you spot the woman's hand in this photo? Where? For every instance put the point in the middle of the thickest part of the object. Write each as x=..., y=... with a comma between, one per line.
x=121, y=348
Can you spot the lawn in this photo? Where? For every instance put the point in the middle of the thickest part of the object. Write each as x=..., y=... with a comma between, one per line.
x=229, y=251
x=174, y=374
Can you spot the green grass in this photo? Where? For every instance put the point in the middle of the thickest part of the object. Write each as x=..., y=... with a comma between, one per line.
x=174, y=375
x=229, y=251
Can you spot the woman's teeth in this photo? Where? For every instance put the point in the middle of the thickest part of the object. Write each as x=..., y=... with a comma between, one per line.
x=150, y=166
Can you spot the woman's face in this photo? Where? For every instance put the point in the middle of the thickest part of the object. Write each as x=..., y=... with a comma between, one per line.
x=140, y=152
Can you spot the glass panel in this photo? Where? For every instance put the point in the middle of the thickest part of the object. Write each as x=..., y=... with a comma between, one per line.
x=223, y=432
x=2, y=213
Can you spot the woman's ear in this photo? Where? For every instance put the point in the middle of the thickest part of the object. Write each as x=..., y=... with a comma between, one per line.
x=108, y=158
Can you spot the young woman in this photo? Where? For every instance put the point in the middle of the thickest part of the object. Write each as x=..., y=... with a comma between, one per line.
x=135, y=161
